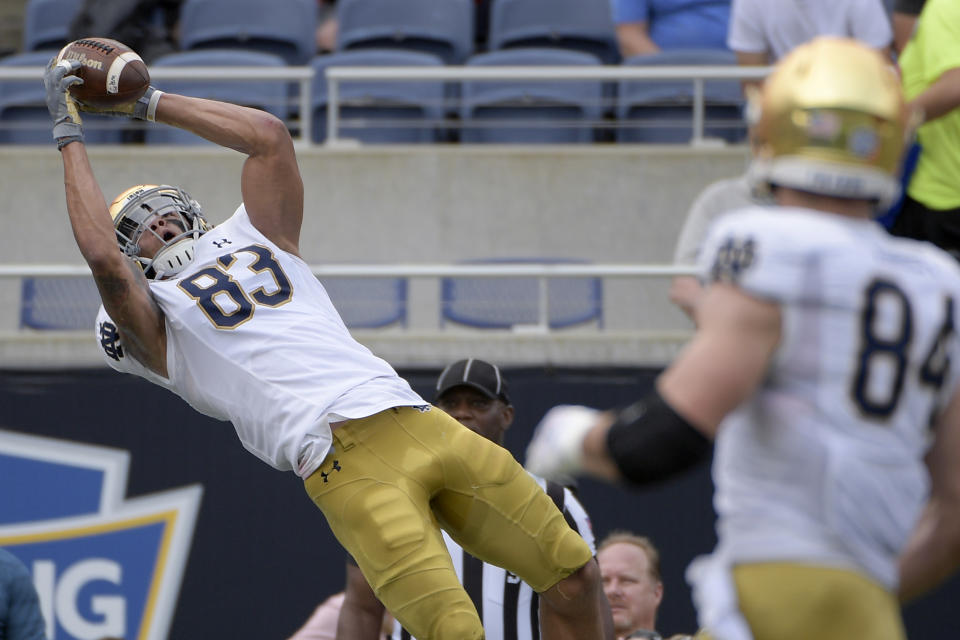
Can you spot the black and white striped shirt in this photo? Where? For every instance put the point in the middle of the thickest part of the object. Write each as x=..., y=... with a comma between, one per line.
x=507, y=606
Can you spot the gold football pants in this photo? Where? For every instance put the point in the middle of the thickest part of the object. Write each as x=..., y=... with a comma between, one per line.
x=787, y=601
x=392, y=479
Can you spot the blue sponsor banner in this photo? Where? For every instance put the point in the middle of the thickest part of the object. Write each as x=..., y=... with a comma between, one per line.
x=104, y=566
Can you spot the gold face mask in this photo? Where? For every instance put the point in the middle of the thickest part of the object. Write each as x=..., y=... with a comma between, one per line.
x=134, y=209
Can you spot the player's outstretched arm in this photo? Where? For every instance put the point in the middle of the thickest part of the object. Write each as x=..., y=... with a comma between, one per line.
x=270, y=182
x=123, y=289
x=670, y=428
x=933, y=552
x=361, y=615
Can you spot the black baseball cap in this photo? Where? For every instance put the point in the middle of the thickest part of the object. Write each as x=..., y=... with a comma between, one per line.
x=477, y=374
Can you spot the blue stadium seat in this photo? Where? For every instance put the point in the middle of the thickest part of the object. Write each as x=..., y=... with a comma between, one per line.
x=369, y=303
x=531, y=112
x=268, y=95
x=58, y=303
x=24, y=118
x=381, y=112
x=661, y=111
x=46, y=23
x=283, y=27
x=510, y=302
x=581, y=25
x=444, y=29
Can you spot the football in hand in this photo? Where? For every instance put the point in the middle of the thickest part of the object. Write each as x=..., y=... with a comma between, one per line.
x=113, y=74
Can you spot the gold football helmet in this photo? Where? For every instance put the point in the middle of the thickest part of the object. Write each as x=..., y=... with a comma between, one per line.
x=133, y=212
x=832, y=121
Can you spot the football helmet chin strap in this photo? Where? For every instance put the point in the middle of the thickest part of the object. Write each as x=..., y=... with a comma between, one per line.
x=173, y=258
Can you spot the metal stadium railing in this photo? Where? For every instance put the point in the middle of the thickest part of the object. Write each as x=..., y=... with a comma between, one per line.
x=337, y=78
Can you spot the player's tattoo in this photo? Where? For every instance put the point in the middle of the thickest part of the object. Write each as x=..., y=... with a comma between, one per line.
x=117, y=293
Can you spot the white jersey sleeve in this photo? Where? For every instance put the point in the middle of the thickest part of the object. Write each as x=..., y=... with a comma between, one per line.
x=115, y=353
x=757, y=253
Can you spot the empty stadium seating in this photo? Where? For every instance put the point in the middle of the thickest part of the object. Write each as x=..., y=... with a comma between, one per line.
x=490, y=302
x=377, y=112
x=368, y=303
x=444, y=29
x=581, y=25
x=661, y=111
x=282, y=27
x=531, y=111
x=46, y=23
x=59, y=304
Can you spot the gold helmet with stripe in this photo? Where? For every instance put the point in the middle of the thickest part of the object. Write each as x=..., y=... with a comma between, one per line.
x=134, y=213
x=831, y=121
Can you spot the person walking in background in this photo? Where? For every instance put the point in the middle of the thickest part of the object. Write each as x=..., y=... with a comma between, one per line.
x=825, y=367
x=232, y=319
x=476, y=394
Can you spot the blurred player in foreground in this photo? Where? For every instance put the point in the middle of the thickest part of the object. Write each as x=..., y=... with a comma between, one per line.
x=825, y=352
x=231, y=319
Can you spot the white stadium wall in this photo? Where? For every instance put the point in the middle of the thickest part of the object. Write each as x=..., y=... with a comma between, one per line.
x=411, y=205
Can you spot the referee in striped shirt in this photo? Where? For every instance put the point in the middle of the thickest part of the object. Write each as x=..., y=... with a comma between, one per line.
x=475, y=393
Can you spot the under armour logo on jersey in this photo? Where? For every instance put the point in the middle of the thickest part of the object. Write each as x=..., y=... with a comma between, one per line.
x=326, y=476
x=110, y=340
x=423, y=408
x=221, y=242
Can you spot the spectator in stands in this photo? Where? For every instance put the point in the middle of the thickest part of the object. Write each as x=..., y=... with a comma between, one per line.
x=763, y=31
x=149, y=27
x=930, y=67
x=630, y=569
x=11, y=26
x=326, y=25
x=475, y=393
x=322, y=625
x=647, y=26
x=904, y=20
x=20, y=616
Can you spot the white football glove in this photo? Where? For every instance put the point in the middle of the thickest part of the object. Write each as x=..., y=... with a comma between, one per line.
x=556, y=450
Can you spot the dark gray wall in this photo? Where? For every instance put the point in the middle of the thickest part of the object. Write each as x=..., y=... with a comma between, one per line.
x=263, y=557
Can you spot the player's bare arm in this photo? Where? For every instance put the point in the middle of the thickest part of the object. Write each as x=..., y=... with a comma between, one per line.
x=726, y=360
x=669, y=429
x=271, y=184
x=940, y=98
x=933, y=551
x=125, y=295
x=123, y=289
